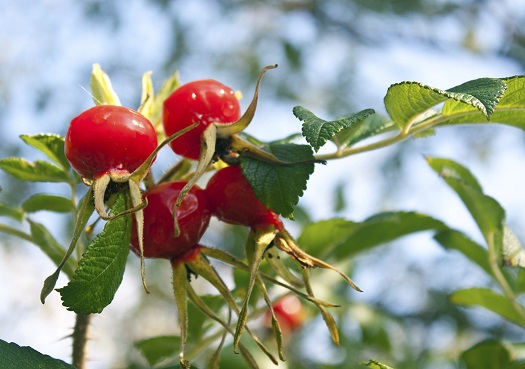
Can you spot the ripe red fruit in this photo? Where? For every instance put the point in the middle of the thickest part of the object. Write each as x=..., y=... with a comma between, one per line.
x=289, y=312
x=233, y=200
x=109, y=139
x=193, y=218
x=204, y=102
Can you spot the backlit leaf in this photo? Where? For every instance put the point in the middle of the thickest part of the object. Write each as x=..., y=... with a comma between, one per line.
x=52, y=145
x=279, y=187
x=101, y=88
x=489, y=354
x=37, y=171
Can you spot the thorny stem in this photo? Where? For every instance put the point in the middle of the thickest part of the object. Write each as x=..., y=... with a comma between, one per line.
x=80, y=339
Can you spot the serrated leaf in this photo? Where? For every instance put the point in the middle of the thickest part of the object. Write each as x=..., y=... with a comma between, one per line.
x=317, y=131
x=54, y=203
x=490, y=300
x=341, y=239
x=37, y=171
x=374, y=364
x=157, y=349
x=509, y=110
x=370, y=126
x=487, y=212
x=489, y=354
x=405, y=101
x=101, y=269
x=52, y=145
x=13, y=212
x=279, y=187
x=13, y=356
x=103, y=93
x=47, y=243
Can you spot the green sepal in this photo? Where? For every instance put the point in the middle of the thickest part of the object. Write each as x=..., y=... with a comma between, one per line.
x=103, y=93
x=37, y=171
x=179, y=278
x=13, y=212
x=318, y=131
x=279, y=187
x=101, y=269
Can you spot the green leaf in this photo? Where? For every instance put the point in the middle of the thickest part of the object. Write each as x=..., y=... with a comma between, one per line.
x=509, y=110
x=12, y=212
x=455, y=240
x=157, y=349
x=487, y=212
x=490, y=300
x=489, y=354
x=341, y=239
x=40, y=202
x=370, y=126
x=103, y=93
x=406, y=101
x=13, y=356
x=100, y=271
x=317, y=131
x=37, y=171
x=376, y=365
x=52, y=145
x=47, y=243
x=279, y=187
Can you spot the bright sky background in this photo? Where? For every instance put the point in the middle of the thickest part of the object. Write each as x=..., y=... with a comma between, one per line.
x=50, y=44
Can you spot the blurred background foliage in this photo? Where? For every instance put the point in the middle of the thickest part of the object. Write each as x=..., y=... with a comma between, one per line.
x=335, y=57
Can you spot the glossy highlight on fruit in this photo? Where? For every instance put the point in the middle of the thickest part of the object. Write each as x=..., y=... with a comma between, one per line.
x=232, y=200
x=193, y=217
x=204, y=102
x=109, y=139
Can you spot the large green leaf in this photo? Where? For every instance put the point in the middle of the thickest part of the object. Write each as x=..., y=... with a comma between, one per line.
x=492, y=301
x=279, y=187
x=317, y=131
x=487, y=212
x=40, y=202
x=406, y=101
x=52, y=145
x=157, y=349
x=100, y=271
x=341, y=239
x=488, y=354
x=37, y=171
x=13, y=356
x=510, y=109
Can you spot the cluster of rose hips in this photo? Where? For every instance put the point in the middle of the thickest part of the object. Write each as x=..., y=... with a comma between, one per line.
x=113, y=147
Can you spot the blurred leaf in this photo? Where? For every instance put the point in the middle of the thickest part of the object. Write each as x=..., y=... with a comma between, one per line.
x=52, y=145
x=488, y=354
x=490, y=300
x=39, y=202
x=157, y=349
x=508, y=111
x=405, y=101
x=370, y=126
x=103, y=93
x=279, y=187
x=455, y=240
x=486, y=211
x=37, y=171
x=101, y=269
x=376, y=365
x=13, y=356
x=12, y=212
x=341, y=239
x=50, y=246
x=200, y=323
x=317, y=131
